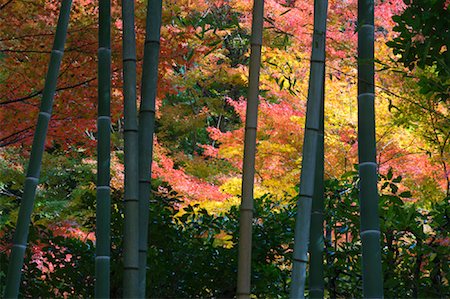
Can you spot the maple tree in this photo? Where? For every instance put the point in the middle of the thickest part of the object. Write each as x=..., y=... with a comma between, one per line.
x=204, y=49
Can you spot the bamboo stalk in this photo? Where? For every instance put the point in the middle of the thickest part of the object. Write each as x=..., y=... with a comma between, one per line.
x=246, y=209
x=368, y=195
x=103, y=207
x=131, y=213
x=310, y=151
x=37, y=151
x=317, y=244
x=147, y=129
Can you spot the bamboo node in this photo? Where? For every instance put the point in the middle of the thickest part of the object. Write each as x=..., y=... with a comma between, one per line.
x=370, y=231
x=131, y=199
x=104, y=49
x=366, y=94
x=151, y=110
x=312, y=129
x=102, y=257
x=57, y=52
x=300, y=260
x=45, y=114
x=32, y=178
x=370, y=26
x=368, y=164
x=152, y=42
x=103, y=188
x=20, y=246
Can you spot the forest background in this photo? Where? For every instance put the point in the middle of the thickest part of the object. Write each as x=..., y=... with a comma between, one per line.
x=199, y=144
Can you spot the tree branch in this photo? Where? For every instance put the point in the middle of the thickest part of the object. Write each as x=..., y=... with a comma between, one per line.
x=5, y=4
x=36, y=93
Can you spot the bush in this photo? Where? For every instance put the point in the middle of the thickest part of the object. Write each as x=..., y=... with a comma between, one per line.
x=193, y=253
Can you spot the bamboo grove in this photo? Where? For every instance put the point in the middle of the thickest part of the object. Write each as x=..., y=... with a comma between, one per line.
x=138, y=154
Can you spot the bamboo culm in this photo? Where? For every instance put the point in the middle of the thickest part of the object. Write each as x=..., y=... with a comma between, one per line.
x=103, y=207
x=246, y=209
x=131, y=213
x=317, y=242
x=147, y=129
x=310, y=151
x=34, y=167
x=372, y=275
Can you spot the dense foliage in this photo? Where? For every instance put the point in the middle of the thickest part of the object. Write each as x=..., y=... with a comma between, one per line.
x=421, y=45
x=193, y=252
x=422, y=41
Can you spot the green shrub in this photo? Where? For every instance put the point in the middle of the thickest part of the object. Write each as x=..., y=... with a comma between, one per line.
x=193, y=253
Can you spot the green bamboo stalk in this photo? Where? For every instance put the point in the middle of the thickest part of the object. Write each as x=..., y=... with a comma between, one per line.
x=317, y=241
x=248, y=175
x=34, y=167
x=147, y=129
x=370, y=223
x=310, y=151
x=103, y=208
x=317, y=245
x=131, y=214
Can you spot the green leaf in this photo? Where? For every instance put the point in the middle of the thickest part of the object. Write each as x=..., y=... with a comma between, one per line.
x=397, y=19
x=390, y=174
x=397, y=179
x=405, y=194
x=394, y=188
x=391, y=199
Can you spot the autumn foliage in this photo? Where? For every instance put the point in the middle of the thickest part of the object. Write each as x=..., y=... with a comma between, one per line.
x=203, y=74
x=201, y=100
